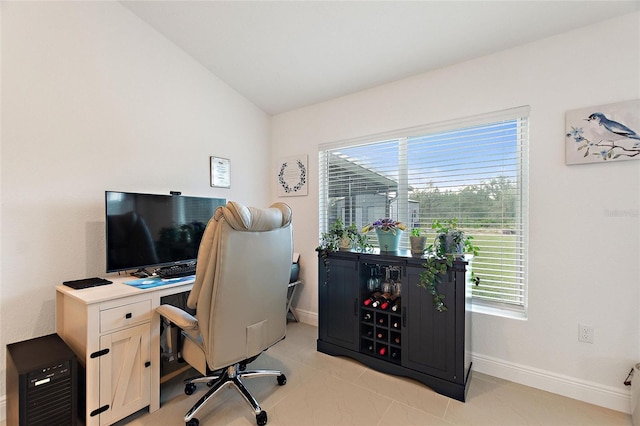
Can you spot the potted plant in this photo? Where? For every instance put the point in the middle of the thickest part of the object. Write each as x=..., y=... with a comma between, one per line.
x=418, y=241
x=388, y=232
x=451, y=240
x=450, y=243
x=340, y=237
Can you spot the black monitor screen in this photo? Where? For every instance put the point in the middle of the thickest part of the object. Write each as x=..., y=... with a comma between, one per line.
x=145, y=230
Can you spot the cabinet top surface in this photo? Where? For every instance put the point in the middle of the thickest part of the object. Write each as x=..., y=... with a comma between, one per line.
x=390, y=256
x=118, y=289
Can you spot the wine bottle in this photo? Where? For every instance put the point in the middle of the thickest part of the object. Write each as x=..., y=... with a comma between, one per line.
x=382, y=351
x=379, y=299
x=372, y=299
x=396, y=306
x=386, y=300
x=395, y=354
x=397, y=340
x=367, y=316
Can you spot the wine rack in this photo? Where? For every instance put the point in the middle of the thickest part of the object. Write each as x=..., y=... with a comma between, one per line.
x=380, y=327
x=380, y=334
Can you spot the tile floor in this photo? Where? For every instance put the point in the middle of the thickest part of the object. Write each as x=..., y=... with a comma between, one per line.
x=325, y=390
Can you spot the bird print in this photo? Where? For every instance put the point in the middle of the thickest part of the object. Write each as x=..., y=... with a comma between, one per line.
x=613, y=126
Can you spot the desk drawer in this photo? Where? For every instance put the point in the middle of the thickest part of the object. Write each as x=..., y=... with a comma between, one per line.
x=125, y=315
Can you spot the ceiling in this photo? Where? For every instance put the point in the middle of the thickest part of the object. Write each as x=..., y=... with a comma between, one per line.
x=283, y=55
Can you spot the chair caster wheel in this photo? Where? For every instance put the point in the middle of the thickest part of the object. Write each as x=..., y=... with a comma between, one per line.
x=261, y=418
x=192, y=422
x=282, y=380
x=189, y=389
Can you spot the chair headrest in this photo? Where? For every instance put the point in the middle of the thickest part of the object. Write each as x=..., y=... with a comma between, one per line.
x=244, y=218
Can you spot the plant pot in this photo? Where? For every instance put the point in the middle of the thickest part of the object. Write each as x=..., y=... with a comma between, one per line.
x=450, y=246
x=345, y=243
x=418, y=244
x=387, y=240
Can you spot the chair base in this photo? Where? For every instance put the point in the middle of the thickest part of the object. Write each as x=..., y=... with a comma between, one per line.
x=231, y=376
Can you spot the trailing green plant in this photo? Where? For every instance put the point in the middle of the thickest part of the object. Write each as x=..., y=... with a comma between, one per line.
x=450, y=243
x=434, y=268
x=332, y=239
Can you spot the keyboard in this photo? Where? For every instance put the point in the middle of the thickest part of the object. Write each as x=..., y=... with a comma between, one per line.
x=176, y=271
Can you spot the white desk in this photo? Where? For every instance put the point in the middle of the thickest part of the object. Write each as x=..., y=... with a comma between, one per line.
x=115, y=332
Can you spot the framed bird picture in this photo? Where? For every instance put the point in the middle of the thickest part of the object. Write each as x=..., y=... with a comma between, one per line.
x=603, y=134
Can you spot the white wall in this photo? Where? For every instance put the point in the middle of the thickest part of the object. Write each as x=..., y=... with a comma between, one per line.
x=583, y=262
x=93, y=99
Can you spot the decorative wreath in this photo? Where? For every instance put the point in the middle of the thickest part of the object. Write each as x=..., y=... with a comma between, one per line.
x=301, y=182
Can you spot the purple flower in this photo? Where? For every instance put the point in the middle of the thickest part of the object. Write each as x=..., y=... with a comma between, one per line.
x=386, y=224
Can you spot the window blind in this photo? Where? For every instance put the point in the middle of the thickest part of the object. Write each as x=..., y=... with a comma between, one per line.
x=473, y=170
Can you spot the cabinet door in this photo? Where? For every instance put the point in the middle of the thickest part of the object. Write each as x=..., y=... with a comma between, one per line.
x=430, y=342
x=338, y=302
x=125, y=376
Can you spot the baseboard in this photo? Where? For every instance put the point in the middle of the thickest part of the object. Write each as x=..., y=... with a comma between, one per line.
x=3, y=408
x=307, y=317
x=570, y=387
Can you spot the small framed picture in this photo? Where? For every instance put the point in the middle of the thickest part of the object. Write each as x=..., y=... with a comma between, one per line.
x=220, y=172
x=292, y=176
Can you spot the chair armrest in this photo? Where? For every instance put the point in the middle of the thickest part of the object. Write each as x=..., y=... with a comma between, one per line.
x=182, y=319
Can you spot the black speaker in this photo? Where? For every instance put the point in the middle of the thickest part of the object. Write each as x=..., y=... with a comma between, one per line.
x=42, y=377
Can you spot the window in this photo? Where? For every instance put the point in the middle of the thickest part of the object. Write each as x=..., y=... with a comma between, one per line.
x=474, y=170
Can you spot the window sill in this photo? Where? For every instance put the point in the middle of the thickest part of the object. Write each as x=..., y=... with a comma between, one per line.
x=478, y=307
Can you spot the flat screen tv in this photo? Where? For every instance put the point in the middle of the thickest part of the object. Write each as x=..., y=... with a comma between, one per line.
x=148, y=230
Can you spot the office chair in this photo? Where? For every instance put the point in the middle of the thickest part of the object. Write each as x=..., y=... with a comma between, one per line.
x=240, y=293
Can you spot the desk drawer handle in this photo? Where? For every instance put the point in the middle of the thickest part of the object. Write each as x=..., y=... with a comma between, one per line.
x=128, y=315
x=99, y=353
x=99, y=410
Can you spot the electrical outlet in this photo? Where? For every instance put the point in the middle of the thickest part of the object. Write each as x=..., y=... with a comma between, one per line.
x=585, y=333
